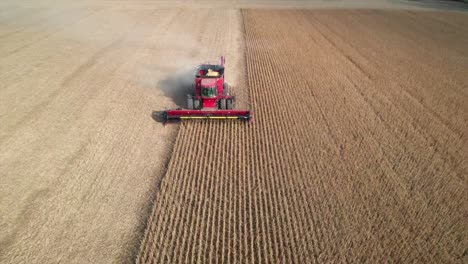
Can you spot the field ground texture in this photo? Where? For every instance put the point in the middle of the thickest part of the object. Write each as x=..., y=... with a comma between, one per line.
x=80, y=154
x=358, y=150
x=238, y=4
x=82, y=160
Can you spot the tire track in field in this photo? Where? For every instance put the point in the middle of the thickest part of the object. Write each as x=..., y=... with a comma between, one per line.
x=320, y=176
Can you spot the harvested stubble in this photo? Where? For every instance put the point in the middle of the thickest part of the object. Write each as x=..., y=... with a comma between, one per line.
x=358, y=151
x=80, y=154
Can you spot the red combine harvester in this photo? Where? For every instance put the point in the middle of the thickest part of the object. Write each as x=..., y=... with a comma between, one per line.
x=210, y=98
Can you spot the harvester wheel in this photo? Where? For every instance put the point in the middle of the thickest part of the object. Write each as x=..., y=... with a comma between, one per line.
x=229, y=104
x=226, y=89
x=196, y=104
x=222, y=104
x=190, y=103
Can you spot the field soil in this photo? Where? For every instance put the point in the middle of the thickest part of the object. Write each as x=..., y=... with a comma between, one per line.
x=358, y=152
x=81, y=155
x=237, y=4
x=358, y=149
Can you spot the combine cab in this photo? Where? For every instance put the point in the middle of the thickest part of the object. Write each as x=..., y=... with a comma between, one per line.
x=210, y=98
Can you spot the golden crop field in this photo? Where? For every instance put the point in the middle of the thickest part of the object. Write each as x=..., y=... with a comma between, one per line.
x=357, y=153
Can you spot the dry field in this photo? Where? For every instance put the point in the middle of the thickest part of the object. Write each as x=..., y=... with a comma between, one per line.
x=80, y=154
x=358, y=152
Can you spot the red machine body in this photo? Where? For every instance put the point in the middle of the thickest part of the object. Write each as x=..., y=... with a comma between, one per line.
x=210, y=98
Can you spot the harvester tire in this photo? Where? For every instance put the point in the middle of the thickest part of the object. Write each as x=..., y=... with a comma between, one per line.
x=190, y=103
x=196, y=104
x=229, y=104
x=222, y=104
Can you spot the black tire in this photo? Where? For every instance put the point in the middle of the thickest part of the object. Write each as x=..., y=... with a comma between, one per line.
x=222, y=104
x=226, y=89
x=190, y=103
x=229, y=104
x=197, y=104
